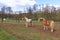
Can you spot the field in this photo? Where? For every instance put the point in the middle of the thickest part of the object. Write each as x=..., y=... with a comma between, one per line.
x=10, y=30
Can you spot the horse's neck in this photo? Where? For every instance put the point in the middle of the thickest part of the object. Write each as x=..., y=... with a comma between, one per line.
x=26, y=18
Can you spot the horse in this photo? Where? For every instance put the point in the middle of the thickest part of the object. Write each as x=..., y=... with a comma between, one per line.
x=28, y=22
x=47, y=23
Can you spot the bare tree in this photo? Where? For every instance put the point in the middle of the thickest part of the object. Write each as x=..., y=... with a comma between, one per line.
x=46, y=12
x=3, y=12
x=29, y=15
x=49, y=12
x=8, y=9
x=35, y=6
x=53, y=13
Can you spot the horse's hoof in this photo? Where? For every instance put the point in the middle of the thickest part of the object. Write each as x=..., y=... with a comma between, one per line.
x=51, y=30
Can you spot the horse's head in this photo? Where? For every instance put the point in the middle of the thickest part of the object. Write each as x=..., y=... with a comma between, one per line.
x=41, y=19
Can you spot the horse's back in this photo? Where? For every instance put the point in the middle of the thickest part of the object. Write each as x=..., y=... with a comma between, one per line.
x=48, y=22
x=29, y=20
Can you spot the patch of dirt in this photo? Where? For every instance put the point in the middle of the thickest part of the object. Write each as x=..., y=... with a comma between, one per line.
x=36, y=27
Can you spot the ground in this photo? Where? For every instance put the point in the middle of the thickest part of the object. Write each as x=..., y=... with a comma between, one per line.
x=16, y=30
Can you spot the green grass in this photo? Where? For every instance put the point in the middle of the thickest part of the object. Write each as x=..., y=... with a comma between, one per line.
x=5, y=36
x=25, y=34
x=34, y=35
x=20, y=33
x=12, y=21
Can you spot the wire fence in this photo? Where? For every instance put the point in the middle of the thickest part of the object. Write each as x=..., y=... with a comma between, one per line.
x=17, y=21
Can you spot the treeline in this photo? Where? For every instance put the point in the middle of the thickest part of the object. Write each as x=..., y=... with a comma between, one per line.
x=48, y=12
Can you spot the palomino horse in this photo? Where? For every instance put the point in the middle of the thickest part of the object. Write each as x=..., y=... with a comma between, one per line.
x=28, y=21
x=46, y=23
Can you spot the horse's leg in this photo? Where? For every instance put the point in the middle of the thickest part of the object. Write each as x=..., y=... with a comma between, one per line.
x=47, y=27
x=52, y=26
x=52, y=30
x=30, y=24
x=26, y=24
x=44, y=27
